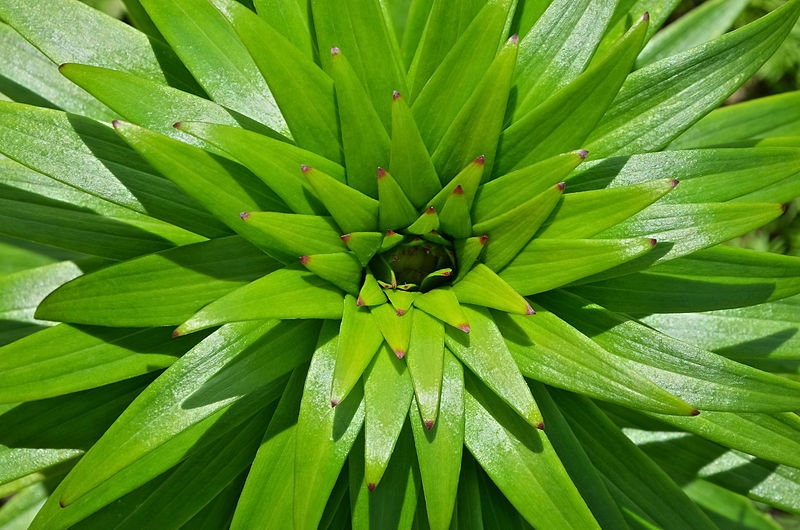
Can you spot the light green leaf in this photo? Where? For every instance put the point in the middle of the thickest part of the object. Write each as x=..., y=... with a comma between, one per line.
x=548, y=349
x=771, y=116
x=387, y=396
x=358, y=342
x=342, y=269
x=698, y=26
x=454, y=218
x=115, y=45
x=707, y=381
x=715, y=278
x=566, y=119
x=302, y=90
x=660, y=101
x=161, y=289
x=485, y=353
x=291, y=19
x=285, y=293
x=394, y=325
x=217, y=59
x=352, y=210
x=637, y=482
x=325, y=434
x=522, y=463
x=297, y=233
x=467, y=253
x=724, y=506
x=20, y=466
x=469, y=179
x=65, y=359
x=364, y=245
x=23, y=291
x=439, y=447
x=546, y=264
x=443, y=304
x=425, y=364
x=483, y=287
x=395, y=209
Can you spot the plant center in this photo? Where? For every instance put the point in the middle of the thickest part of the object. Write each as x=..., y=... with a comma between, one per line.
x=416, y=265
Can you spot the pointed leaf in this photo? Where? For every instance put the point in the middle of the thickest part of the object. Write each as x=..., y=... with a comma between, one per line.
x=521, y=462
x=363, y=244
x=291, y=19
x=546, y=264
x=401, y=300
x=660, y=101
x=371, y=294
x=468, y=178
x=285, y=293
x=325, y=435
x=22, y=292
x=443, y=304
x=511, y=231
x=359, y=340
x=410, y=162
x=467, y=252
x=454, y=218
x=396, y=328
x=387, y=396
x=439, y=447
x=425, y=364
x=352, y=210
x=427, y=222
x=553, y=352
x=481, y=286
x=296, y=233
x=396, y=211
x=484, y=112
x=341, y=269
x=486, y=355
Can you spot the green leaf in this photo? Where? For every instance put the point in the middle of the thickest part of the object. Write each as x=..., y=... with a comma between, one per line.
x=484, y=112
x=485, y=353
x=20, y=466
x=546, y=264
x=425, y=364
x=410, y=162
x=364, y=245
x=425, y=223
x=271, y=474
x=698, y=26
x=297, y=233
x=302, y=90
x=707, y=381
x=662, y=100
x=715, y=278
x=352, y=210
x=161, y=289
x=395, y=209
x=767, y=117
x=23, y=291
x=358, y=341
x=285, y=293
x=70, y=148
x=723, y=506
x=635, y=479
x=521, y=462
x=482, y=286
x=558, y=48
x=454, y=217
x=291, y=19
x=443, y=304
x=387, y=397
x=566, y=119
x=65, y=359
x=192, y=413
x=325, y=434
x=588, y=213
x=115, y=45
x=511, y=231
x=469, y=178
x=342, y=269
x=439, y=447
x=217, y=59
x=548, y=349
x=467, y=253
x=395, y=326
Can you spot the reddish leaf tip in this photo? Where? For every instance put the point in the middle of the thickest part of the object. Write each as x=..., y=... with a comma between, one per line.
x=304, y=260
x=430, y=211
x=481, y=160
x=360, y=302
x=371, y=486
x=381, y=173
x=561, y=185
x=400, y=354
x=540, y=426
x=784, y=208
x=305, y=169
x=335, y=51
x=459, y=190
x=653, y=241
x=695, y=412
x=116, y=123
x=675, y=182
x=346, y=237
x=483, y=239
x=646, y=16
x=400, y=312
x=334, y=402
x=176, y=333
x=464, y=327
x=390, y=233
x=530, y=310
x=396, y=95
x=62, y=65
x=244, y=215
x=514, y=39
x=62, y=503
x=583, y=153
x=428, y=424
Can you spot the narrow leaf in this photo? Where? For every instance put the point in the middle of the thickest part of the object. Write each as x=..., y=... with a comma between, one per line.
x=454, y=218
x=341, y=269
x=352, y=210
x=469, y=178
x=371, y=294
x=482, y=286
x=467, y=253
x=443, y=304
x=296, y=233
x=425, y=364
x=396, y=210
x=395, y=327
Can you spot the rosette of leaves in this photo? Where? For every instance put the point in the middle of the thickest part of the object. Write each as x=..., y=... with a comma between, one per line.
x=400, y=264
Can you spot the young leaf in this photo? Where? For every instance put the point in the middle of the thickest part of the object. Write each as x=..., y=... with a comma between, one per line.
x=467, y=252
x=296, y=233
x=363, y=244
x=395, y=327
x=341, y=269
x=371, y=294
x=396, y=210
x=352, y=210
x=482, y=286
x=469, y=178
x=425, y=364
x=454, y=218
x=443, y=304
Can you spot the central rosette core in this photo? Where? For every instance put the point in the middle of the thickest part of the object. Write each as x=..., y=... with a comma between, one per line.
x=415, y=264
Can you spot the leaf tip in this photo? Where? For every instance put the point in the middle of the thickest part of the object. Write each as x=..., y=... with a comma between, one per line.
x=400, y=353
x=675, y=183
x=481, y=160
x=244, y=215
x=62, y=502
x=530, y=310
x=583, y=153
x=177, y=125
x=430, y=211
x=428, y=424
x=540, y=426
x=483, y=239
x=116, y=123
x=458, y=190
x=653, y=242
x=646, y=16
x=371, y=486
x=514, y=39
x=561, y=186
x=334, y=402
x=390, y=233
x=360, y=302
x=400, y=312
x=304, y=260
x=305, y=169
x=335, y=51
x=177, y=332
x=61, y=66
x=381, y=173
x=464, y=327
x=695, y=412
x=346, y=237
x=396, y=95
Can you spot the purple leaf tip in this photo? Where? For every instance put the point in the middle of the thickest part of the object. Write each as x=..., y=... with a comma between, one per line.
x=430, y=211
x=459, y=190
x=483, y=239
x=360, y=302
x=481, y=160
x=583, y=153
x=653, y=241
x=514, y=39
x=695, y=412
x=561, y=185
x=176, y=333
x=400, y=354
x=675, y=182
x=305, y=169
x=646, y=16
x=396, y=95
x=346, y=238
x=540, y=426
x=371, y=486
x=428, y=424
x=177, y=125
x=400, y=312
x=304, y=260
x=116, y=123
x=381, y=172
x=335, y=51
x=464, y=327
x=530, y=310
x=244, y=215
x=334, y=402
